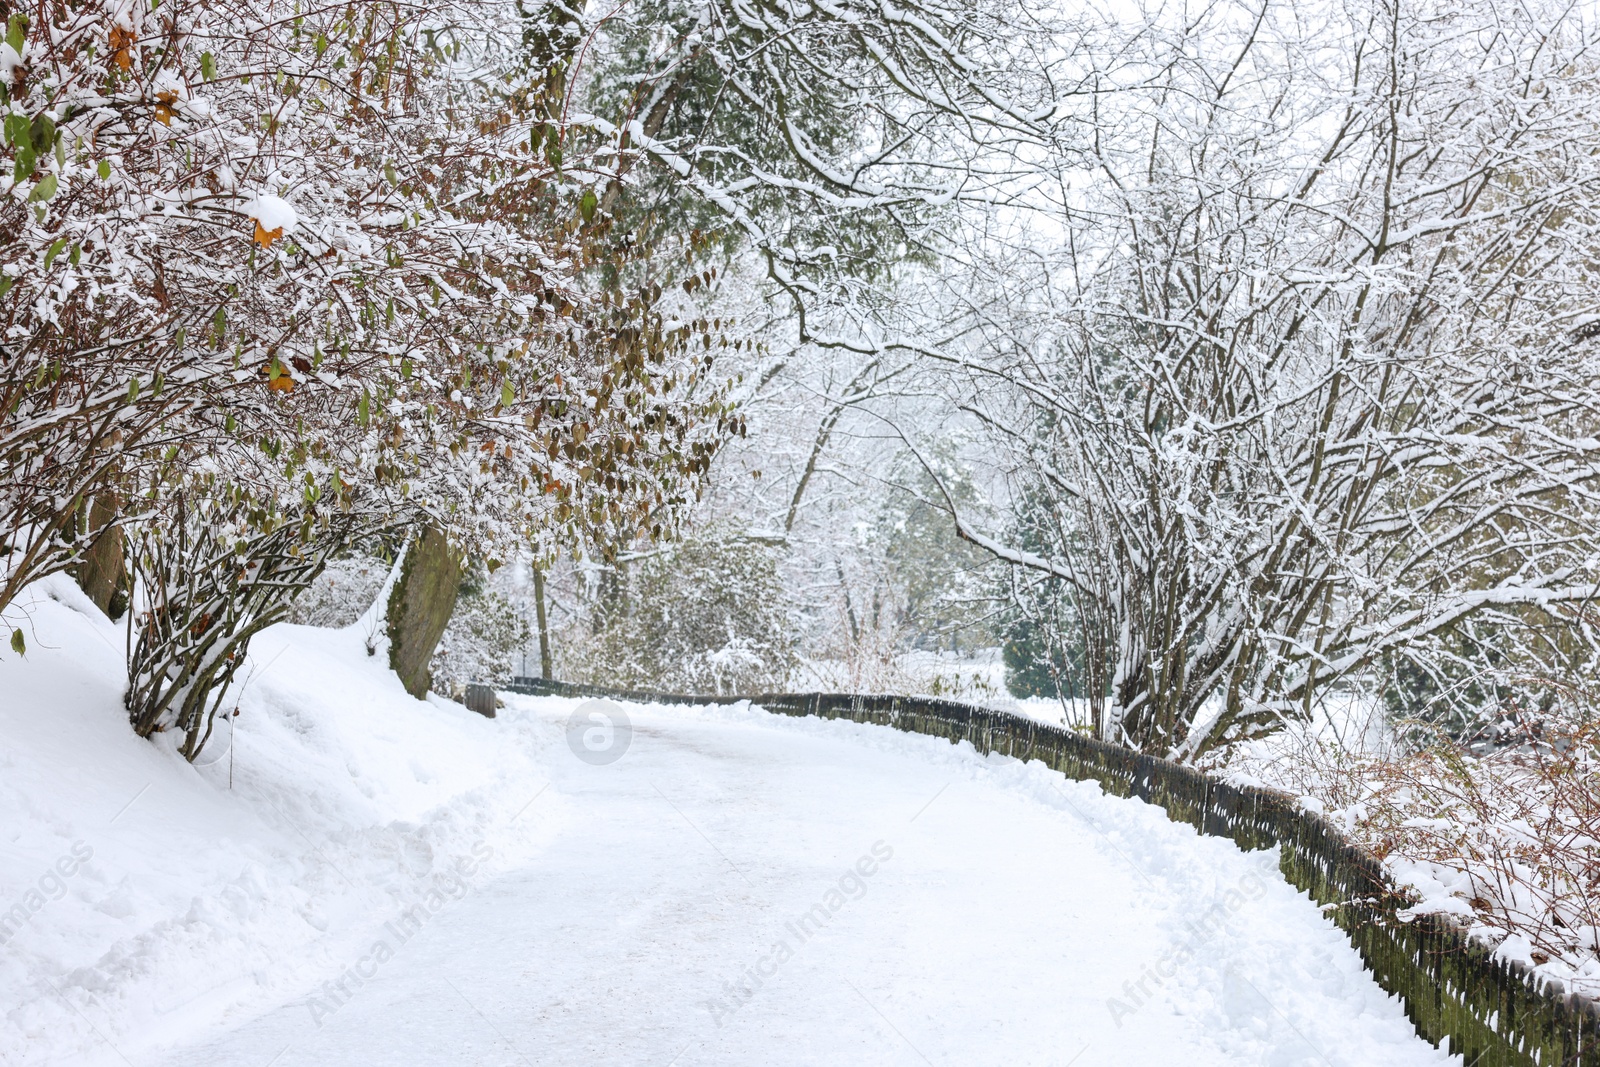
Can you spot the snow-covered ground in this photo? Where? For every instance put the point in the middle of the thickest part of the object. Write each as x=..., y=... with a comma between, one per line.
x=395, y=882
x=143, y=901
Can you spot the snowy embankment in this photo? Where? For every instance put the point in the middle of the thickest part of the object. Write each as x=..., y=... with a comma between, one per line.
x=142, y=899
x=395, y=882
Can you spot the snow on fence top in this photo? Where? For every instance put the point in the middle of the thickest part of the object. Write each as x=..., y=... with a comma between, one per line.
x=1494, y=1012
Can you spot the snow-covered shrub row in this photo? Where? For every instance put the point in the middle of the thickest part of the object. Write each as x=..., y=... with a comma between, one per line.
x=704, y=615
x=341, y=594
x=977, y=679
x=486, y=637
x=277, y=277
x=1506, y=840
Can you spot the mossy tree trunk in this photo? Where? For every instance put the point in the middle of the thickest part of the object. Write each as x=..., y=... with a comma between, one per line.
x=102, y=571
x=420, y=606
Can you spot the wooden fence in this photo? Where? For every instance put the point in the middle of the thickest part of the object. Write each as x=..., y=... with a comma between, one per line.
x=1493, y=1013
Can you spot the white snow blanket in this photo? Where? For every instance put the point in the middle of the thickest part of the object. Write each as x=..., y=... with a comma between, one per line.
x=369, y=879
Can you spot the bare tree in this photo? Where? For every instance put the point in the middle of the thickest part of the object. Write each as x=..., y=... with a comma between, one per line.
x=1301, y=365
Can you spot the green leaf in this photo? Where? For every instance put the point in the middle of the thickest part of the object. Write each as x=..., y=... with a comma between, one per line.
x=55, y=246
x=133, y=390
x=44, y=190
x=208, y=66
x=389, y=174
x=18, y=645
x=24, y=167
x=105, y=170
x=587, y=205
x=363, y=408
x=508, y=395
x=43, y=133
x=17, y=32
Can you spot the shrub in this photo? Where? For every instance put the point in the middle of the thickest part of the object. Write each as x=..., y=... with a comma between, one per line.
x=704, y=615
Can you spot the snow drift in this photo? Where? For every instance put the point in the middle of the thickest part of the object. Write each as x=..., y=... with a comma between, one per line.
x=144, y=900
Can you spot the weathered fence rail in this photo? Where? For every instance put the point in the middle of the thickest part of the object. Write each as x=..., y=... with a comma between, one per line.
x=1493, y=1013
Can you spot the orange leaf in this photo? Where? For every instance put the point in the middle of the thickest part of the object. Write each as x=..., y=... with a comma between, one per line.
x=264, y=238
x=164, y=109
x=121, y=42
x=277, y=376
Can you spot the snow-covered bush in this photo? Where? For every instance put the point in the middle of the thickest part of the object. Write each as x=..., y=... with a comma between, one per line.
x=1507, y=841
x=483, y=642
x=862, y=650
x=341, y=594
x=316, y=269
x=870, y=668
x=707, y=614
x=1490, y=681
x=204, y=583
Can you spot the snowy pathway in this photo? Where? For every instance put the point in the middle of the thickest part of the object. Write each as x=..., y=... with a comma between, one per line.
x=1009, y=917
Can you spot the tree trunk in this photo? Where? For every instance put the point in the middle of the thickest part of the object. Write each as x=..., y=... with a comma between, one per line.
x=101, y=571
x=613, y=597
x=546, y=668
x=420, y=606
